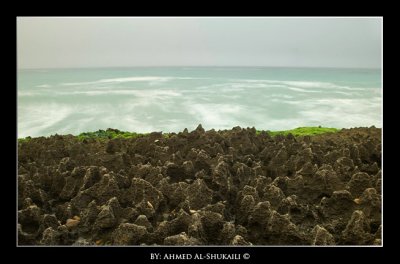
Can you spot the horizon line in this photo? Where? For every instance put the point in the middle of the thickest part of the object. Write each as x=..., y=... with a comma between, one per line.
x=199, y=66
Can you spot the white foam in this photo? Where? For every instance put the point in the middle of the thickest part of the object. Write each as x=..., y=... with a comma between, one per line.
x=152, y=79
x=26, y=93
x=36, y=119
x=214, y=115
x=299, y=84
x=43, y=86
x=160, y=94
x=303, y=90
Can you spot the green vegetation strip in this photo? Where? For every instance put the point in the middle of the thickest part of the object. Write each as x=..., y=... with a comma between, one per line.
x=115, y=133
x=108, y=134
x=304, y=131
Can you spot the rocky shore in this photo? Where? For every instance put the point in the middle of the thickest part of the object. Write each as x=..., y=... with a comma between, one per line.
x=231, y=187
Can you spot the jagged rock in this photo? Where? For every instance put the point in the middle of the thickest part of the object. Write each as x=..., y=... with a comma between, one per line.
x=188, y=168
x=216, y=208
x=273, y=194
x=57, y=236
x=243, y=173
x=178, y=194
x=108, y=216
x=230, y=187
x=82, y=242
x=308, y=169
x=89, y=215
x=260, y=182
x=239, y=241
x=228, y=232
x=50, y=237
x=246, y=205
x=295, y=185
x=339, y=204
x=181, y=239
x=281, y=231
x=287, y=204
x=49, y=221
x=30, y=219
x=195, y=228
x=28, y=189
x=200, y=129
x=25, y=238
x=142, y=220
x=241, y=231
x=202, y=162
x=128, y=234
x=198, y=194
x=91, y=177
x=111, y=147
x=175, y=226
x=260, y=213
x=370, y=204
x=357, y=230
x=143, y=191
x=358, y=183
x=212, y=224
x=344, y=167
x=101, y=191
x=175, y=172
x=66, y=164
x=220, y=176
x=327, y=180
x=71, y=188
x=321, y=236
x=280, y=158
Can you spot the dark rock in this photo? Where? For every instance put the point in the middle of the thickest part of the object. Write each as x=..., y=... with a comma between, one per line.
x=212, y=226
x=30, y=219
x=280, y=231
x=274, y=195
x=228, y=232
x=198, y=195
x=128, y=234
x=91, y=177
x=260, y=213
x=230, y=187
x=339, y=204
x=321, y=236
x=181, y=239
x=142, y=220
x=357, y=230
x=239, y=241
x=358, y=183
x=50, y=221
x=108, y=216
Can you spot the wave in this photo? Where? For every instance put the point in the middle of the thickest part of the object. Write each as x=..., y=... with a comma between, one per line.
x=299, y=84
x=37, y=120
x=26, y=93
x=303, y=90
x=137, y=93
x=132, y=79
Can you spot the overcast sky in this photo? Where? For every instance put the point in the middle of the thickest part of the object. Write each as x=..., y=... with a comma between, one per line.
x=214, y=41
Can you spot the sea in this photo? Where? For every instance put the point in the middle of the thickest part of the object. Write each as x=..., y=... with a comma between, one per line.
x=170, y=99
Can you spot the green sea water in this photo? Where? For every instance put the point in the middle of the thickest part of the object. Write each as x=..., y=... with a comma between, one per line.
x=169, y=99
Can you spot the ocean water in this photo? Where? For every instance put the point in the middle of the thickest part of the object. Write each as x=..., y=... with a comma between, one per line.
x=71, y=101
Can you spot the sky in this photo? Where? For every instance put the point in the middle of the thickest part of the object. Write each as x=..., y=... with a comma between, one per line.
x=74, y=42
